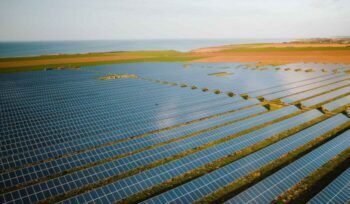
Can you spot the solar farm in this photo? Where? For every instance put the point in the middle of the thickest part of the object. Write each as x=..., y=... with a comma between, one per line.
x=176, y=133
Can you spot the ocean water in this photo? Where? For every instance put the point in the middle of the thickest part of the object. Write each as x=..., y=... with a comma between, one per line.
x=19, y=49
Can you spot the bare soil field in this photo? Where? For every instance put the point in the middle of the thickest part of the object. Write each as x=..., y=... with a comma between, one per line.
x=270, y=45
x=281, y=57
x=271, y=53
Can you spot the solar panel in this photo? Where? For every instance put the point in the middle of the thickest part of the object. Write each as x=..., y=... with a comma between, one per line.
x=64, y=130
x=325, y=97
x=337, y=103
x=73, y=161
x=122, y=165
x=313, y=92
x=338, y=191
x=178, y=167
x=196, y=189
x=269, y=188
x=75, y=145
x=306, y=87
x=283, y=87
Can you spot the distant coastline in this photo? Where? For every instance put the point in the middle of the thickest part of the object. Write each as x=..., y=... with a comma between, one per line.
x=37, y=48
x=320, y=51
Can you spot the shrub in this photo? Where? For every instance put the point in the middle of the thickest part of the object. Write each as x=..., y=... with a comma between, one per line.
x=217, y=91
x=245, y=96
x=205, y=89
x=230, y=94
x=309, y=70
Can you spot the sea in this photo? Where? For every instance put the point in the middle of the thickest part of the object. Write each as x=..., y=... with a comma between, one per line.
x=24, y=49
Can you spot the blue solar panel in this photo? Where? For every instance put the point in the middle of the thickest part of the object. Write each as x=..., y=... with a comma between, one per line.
x=284, y=87
x=107, y=111
x=338, y=191
x=122, y=188
x=103, y=137
x=93, y=124
x=211, y=182
x=337, y=103
x=325, y=97
x=308, y=87
x=59, y=165
x=61, y=130
x=272, y=186
x=313, y=92
x=128, y=163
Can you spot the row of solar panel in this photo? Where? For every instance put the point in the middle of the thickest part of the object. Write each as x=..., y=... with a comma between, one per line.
x=293, y=84
x=67, y=87
x=88, y=140
x=107, y=92
x=4, y=128
x=327, y=96
x=215, y=180
x=235, y=82
x=13, y=161
x=316, y=91
x=71, y=161
x=338, y=103
x=101, y=138
x=160, y=70
x=338, y=191
x=120, y=112
x=231, y=146
x=269, y=188
x=95, y=125
x=100, y=172
x=42, y=78
x=134, y=184
x=107, y=95
x=171, y=109
x=47, y=118
x=305, y=91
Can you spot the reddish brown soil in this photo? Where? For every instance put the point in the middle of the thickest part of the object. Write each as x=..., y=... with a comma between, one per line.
x=281, y=57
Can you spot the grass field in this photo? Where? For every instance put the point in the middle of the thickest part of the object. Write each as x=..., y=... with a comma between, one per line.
x=264, y=53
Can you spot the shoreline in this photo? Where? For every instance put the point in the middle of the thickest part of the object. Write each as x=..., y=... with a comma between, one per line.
x=265, y=53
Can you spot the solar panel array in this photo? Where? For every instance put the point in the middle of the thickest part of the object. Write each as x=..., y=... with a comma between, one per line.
x=337, y=103
x=67, y=136
x=272, y=186
x=337, y=191
x=211, y=182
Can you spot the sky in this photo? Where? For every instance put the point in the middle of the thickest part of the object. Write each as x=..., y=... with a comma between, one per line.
x=45, y=20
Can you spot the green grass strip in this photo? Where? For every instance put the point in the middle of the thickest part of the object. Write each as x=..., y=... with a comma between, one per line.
x=181, y=58
x=96, y=54
x=298, y=192
x=254, y=177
